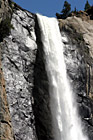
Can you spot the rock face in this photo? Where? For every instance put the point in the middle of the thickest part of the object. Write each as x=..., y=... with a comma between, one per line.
x=26, y=81
x=80, y=65
x=18, y=58
x=6, y=131
x=82, y=30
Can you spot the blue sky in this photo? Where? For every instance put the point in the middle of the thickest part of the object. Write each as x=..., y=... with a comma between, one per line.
x=50, y=7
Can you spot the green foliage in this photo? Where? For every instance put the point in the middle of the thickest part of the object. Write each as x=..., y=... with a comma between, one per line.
x=75, y=10
x=66, y=9
x=87, y=6
x=11, y=3
x=80, y=37
x=5, y=28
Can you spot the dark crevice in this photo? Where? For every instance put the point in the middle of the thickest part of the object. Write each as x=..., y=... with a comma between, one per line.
x=89, y=121
x=29, y=30
x=13, y=63
x=3, y=121
x=26, y=78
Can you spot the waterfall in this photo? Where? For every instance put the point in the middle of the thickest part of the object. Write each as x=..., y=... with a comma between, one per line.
x=66, y=122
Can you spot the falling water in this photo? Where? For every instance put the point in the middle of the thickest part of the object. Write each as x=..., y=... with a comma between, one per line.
x=66, y=123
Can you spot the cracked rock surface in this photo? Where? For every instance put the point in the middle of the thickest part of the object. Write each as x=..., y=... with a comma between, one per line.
x=6, y=131
x=18, y=56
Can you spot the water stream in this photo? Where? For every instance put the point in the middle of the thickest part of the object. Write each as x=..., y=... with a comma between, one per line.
x=66, y=121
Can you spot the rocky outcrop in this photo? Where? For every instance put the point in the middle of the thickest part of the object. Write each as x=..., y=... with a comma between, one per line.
x=84, y=15
x=81, y=14
x=85, y=28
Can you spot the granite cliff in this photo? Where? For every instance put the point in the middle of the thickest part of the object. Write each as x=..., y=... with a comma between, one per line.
x=24, y=86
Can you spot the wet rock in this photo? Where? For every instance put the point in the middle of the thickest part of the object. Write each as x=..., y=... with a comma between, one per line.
x=78, y=65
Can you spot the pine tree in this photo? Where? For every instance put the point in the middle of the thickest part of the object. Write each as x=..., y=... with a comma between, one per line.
x=87, y=6
x=66, y=9
x=75, y=10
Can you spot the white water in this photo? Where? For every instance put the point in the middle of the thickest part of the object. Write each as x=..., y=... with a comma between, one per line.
x=66, y=123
